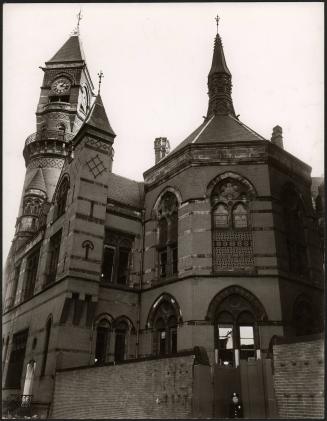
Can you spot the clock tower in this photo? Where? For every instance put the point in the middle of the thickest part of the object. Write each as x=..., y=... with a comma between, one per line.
x=65, y=100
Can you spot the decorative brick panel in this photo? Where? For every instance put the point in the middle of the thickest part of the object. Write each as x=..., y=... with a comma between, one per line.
x=299, y=379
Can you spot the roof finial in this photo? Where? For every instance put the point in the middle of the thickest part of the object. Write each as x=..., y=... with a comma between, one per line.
x=217, y=19
x=79, y=18
x=100, y=74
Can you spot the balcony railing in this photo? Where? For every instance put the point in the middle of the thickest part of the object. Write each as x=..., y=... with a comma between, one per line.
x=49, y=135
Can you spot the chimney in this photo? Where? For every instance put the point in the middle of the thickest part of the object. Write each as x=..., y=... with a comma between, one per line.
x=277, y=136
x=161, y=148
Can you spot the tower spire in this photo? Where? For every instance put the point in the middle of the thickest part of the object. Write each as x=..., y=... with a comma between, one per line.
x=219, y=81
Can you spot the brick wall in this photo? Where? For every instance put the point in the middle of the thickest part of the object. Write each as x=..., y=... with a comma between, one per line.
x=158, y=388
x=299, y=379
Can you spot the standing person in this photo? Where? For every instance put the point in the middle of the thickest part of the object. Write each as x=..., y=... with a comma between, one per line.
x=236, y=407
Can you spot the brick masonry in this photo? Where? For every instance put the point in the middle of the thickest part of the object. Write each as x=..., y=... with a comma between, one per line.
x=158, y=388
x=299, y=379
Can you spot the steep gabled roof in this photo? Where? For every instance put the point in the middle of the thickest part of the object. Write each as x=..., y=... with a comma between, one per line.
x=37, y=182
x=98, y=117
x=71, y=51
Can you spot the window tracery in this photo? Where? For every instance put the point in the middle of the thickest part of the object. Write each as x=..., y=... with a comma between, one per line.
x=235, y=331
x=232, y=236
x=164, y=317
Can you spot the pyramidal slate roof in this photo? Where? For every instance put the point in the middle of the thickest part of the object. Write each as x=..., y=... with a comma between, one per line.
x=98, y=117
x=220, y=129
x=71, y=51
x=221, y=124
x=37, y=182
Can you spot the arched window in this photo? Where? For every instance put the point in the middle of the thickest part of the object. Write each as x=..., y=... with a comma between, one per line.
x=62, y=197
x=220, y=216
x=295, y=232
x=46, y=345
x=102, y=341
x=164, y=321
x=61, y=131
x=240, y=216
x=231, y=230
x=234, y=313
x=168, y=235
x=121, y=332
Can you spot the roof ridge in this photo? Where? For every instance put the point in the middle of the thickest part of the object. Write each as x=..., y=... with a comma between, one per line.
x=126, y=178
x=246, y=127
x=203, y=128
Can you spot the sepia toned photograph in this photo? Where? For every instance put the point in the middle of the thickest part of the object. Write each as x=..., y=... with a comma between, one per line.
x=163, y=211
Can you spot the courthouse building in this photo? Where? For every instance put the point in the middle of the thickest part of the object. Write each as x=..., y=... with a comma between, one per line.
x=217, y=248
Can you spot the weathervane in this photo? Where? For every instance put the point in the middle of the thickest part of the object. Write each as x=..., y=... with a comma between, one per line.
x=217, y=19
x=79, y=18
x=100, y=74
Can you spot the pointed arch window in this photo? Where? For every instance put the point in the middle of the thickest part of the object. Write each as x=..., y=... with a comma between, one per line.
x=31, y=273
x=61, y=131
x=121, y=332
x=102, y=341
x=16, y=360
x=168, y=235
x=62, y=197
x=235, y=316
x=165, y=329
x=231, y=228
x=240, y=216
x=117, y=258
x=220, y=216
x=295, y=232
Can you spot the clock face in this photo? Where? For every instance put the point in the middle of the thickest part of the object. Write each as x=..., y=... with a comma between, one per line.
x=61, y=86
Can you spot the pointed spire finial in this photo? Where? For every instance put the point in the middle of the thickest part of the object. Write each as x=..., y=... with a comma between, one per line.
x=100, y=74
x=79, y=18
x=217, y=19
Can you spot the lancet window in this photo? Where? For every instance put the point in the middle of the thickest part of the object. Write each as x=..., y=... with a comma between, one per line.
x=163, y=319
x=295, y=232
x=168, y=235
x=117, y=258
x=62, y=197
x=103, y=330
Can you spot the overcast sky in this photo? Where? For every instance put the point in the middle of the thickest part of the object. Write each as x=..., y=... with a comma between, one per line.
x=155, y=59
